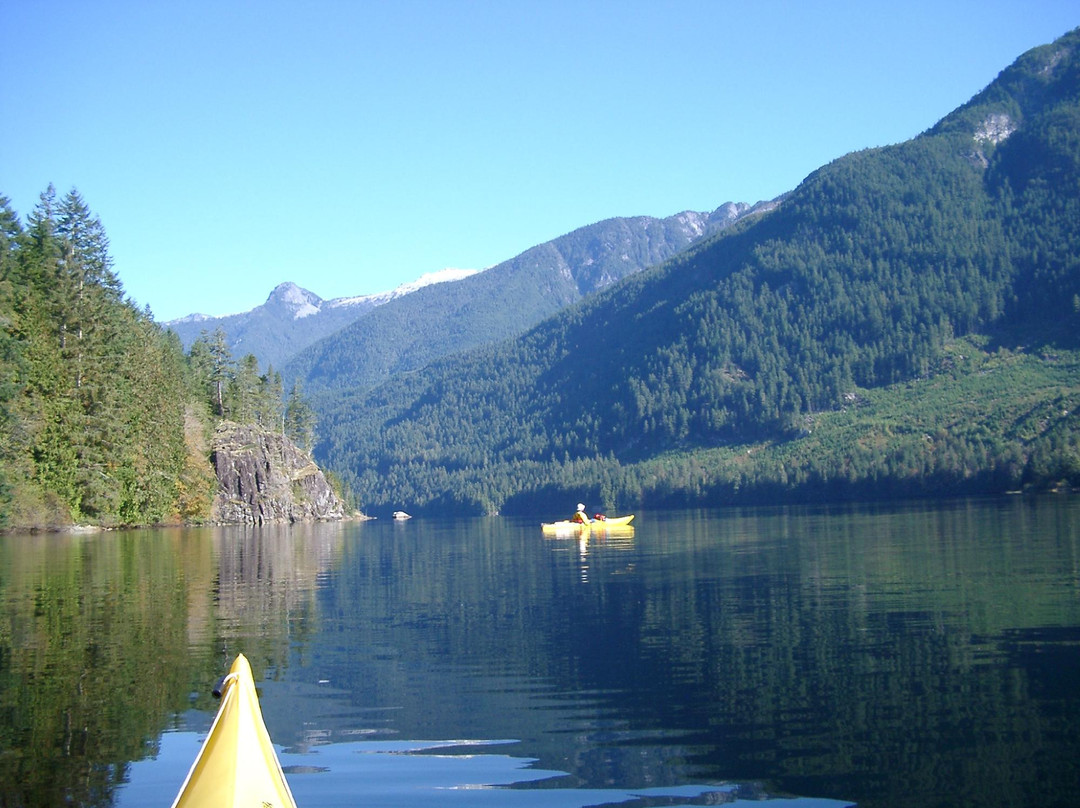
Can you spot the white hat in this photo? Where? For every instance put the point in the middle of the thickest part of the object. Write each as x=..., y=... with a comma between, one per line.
x=580, y=506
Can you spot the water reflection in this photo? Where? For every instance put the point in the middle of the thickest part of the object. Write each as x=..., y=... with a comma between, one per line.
x=104, y=636
x=607, y=540
x=264, y=593
x=923, y=655
x=91, y=625
x=459, y=772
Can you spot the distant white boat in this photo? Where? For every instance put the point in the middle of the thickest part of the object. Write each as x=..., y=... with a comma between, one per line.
x=401, y=515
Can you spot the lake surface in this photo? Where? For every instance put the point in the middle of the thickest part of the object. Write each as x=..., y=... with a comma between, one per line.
x=918, y=654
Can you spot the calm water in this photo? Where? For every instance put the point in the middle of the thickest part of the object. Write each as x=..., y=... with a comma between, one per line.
x=924, y=655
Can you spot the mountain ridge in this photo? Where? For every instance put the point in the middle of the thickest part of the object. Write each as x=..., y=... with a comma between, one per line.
x=274, y=334
x=504, y=300
x=307, y=302
x=271, y=330
x=860, y=280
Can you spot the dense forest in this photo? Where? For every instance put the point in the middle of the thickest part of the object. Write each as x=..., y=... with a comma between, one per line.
x=103, y=418
x=730, y=373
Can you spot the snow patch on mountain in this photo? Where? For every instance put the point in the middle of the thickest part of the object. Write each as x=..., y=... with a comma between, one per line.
x=427, y=279
x=192, y=318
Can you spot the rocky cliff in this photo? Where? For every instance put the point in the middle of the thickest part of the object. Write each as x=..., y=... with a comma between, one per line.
x=264, y=478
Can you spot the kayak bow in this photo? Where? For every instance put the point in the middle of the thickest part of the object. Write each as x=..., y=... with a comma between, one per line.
x=237, y=765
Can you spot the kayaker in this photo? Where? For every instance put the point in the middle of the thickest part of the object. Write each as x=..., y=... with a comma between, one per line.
x=581, y=516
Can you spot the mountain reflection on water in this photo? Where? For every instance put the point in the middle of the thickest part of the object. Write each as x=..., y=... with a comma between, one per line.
x=921, y=654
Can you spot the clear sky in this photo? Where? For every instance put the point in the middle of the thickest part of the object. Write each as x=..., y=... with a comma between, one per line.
x=352, y=145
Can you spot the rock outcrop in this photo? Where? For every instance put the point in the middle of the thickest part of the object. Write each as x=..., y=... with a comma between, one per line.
x=264, y=478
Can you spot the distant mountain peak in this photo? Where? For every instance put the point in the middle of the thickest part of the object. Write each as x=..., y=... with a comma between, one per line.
x=293, y=317
x=296, y=301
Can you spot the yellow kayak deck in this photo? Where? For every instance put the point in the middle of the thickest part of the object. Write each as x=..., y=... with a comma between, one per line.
x=237, y=765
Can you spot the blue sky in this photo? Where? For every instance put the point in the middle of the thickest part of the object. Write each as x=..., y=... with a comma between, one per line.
x=350, y=146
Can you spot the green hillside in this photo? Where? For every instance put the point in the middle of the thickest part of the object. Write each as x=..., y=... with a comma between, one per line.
x=731, y=371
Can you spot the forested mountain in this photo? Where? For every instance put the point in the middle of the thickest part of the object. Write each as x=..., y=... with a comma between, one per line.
x=293, y=318
x=503, y=301
x=845, y=320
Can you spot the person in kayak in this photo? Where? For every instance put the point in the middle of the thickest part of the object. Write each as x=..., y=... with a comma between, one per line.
x=581, y=516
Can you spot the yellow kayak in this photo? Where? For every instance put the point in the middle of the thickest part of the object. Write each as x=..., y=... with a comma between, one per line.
x=237, y=765
x=597, y=524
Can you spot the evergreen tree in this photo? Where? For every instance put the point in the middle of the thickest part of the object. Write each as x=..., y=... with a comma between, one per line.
x=243, y=391
x=299, y=421
x=11, y=234
x=270, y=410
x=212, y=366
x=86, y=247
x=11, y=365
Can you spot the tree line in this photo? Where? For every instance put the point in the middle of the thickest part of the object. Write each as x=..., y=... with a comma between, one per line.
x=236, y=390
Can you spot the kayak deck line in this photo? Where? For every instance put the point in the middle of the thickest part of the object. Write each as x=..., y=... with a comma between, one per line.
x=237, y=765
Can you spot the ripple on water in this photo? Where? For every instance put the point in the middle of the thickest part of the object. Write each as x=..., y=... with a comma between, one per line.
x=406, y=774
